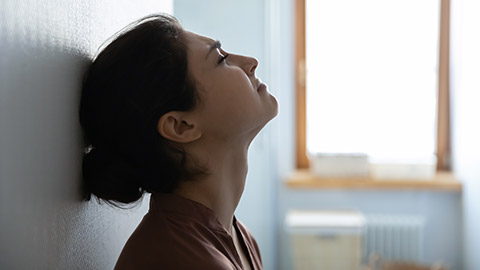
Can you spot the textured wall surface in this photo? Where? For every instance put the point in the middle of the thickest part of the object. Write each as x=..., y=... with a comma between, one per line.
x=44, y=48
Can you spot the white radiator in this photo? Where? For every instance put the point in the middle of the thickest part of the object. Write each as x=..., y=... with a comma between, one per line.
x=394, y=237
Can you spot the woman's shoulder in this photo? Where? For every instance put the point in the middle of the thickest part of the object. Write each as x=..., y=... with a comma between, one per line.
x=173, y=242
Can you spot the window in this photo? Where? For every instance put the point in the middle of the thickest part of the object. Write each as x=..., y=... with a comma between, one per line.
x=390, y=52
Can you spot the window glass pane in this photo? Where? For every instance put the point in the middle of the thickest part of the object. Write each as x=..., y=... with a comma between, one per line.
x=372, y=77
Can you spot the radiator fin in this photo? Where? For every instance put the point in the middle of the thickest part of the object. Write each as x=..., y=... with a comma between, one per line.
x=394, y=237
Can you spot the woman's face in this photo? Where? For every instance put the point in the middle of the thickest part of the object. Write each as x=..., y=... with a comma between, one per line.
x=233, y=101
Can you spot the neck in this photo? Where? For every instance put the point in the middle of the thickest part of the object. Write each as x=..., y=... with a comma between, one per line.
x=222, y=188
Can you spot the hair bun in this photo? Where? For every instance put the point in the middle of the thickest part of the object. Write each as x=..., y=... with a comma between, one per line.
x=109, y=177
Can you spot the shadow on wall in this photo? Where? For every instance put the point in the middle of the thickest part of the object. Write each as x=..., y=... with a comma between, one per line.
x=43, y=222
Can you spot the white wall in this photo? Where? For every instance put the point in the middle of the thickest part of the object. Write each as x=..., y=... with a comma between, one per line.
x=241, y=27
x=465, y=87
x=44, y=48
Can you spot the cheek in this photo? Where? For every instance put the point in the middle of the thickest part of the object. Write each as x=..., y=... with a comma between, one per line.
x=230, y=90
x=229, y=113
x=231, y=103
x=231, y=107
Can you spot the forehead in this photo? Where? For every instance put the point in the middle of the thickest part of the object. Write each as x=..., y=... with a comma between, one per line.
x=198, y=47
x=196, y=43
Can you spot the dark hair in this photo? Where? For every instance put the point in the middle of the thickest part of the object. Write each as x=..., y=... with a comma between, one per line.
x=138, y=77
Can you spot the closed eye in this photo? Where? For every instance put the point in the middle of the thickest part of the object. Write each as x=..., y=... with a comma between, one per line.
x=222, y=58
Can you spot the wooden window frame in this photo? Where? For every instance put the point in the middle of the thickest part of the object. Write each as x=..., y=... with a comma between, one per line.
x=443, y=146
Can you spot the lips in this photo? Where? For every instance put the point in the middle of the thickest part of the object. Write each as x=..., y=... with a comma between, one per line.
x=261, y=86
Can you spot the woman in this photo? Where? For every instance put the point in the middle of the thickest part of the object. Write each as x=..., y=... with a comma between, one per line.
x=169, y=112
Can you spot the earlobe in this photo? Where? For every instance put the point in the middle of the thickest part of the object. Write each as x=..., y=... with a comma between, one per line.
x=174, y=127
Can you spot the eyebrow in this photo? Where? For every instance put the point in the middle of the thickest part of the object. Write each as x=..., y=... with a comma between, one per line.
x=214, y=46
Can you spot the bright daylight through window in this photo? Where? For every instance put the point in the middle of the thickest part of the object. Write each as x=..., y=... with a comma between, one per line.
x=371, y=81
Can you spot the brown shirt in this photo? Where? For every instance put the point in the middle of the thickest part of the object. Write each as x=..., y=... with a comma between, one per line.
x=178, y=233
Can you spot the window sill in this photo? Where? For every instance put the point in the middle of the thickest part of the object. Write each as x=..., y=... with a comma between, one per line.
x=303, y=179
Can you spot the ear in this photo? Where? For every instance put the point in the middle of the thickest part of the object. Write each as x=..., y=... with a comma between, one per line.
x=174, y=126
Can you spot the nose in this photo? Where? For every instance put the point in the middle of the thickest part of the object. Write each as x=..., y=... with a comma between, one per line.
x=248, y=64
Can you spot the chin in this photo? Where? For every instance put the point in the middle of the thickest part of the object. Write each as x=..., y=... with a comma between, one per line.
x=274, y=108
x=270, y=115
